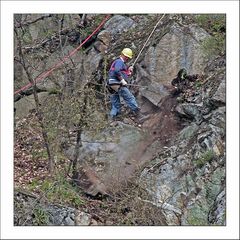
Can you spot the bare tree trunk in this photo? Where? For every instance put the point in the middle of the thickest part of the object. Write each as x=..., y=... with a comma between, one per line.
x=76, y=154
x=83, y=19
x=105, y=82
x=38, y=109
x=78, y=143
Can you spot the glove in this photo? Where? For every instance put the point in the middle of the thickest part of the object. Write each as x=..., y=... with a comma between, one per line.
x=130, y=69
x=123, y=82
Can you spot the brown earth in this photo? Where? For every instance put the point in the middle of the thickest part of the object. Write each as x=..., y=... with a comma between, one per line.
x=159, y=129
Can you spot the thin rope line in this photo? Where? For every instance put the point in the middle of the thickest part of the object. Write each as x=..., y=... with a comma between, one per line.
x=148, y=39
x=57, y=65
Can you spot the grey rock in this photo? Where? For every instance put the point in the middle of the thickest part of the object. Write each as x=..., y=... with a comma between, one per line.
x=201, y=137
x=174, y=51
x=100, y=47
x=118, y=24
x=219, y=97
x=218, y=117
x=69, y=221
x=217, y=215
x=82, y=219
x=190, y=111
x=155, y=92
x=105, y=37
x=26, y=104
x=193, y=111
x=188, y=131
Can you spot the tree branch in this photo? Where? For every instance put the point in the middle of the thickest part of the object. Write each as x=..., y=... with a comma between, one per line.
x=23, y=24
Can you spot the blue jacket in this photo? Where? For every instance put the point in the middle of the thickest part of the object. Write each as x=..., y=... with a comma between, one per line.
x=117, y=71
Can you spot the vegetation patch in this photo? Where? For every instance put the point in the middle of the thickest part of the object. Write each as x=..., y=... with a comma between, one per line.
x=40, y=217
x=204, y=158
x=215, y=25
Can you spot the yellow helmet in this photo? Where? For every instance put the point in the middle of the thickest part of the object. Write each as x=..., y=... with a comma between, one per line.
x=127, y=52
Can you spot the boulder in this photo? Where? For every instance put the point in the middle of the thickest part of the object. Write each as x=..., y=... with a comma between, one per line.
x=26, y=104
x=154, y=92
x=219, y=97
x=119, y=24
x=105, y=37
x=179, y=48
x=103, y=41
x=190, y=111
x=103, y=156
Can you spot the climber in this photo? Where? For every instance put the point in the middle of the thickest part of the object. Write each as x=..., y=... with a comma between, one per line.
x=117, y=86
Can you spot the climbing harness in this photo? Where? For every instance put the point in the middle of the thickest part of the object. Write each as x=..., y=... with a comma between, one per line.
x=60, y=63
x=148, y=39
x=137, y=85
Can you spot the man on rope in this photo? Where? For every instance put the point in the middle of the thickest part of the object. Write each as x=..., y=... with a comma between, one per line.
x=117, y=86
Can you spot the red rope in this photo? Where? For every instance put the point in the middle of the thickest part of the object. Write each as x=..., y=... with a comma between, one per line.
x=48, y=72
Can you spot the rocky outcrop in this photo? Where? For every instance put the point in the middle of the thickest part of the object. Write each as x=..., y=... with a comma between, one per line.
x=179, y=150
x=103, y=157
x=30, y=210
x=119, y=24
x=179, y=48
x=187, y=180
x=171, y=47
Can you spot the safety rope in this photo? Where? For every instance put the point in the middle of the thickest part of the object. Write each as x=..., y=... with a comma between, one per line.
x=148, y=39
x=60, y=63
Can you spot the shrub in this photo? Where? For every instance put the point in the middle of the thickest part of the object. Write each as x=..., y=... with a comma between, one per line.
x=205, y=157
x=61, y=191
x=215, y=25
x=40, y=217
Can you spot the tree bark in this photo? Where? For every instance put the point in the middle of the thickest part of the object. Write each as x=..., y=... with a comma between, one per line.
x=38, y=109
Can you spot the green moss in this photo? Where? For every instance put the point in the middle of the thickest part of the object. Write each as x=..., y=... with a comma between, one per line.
x=54, y=91
x=198, y=216
x=61, y=191
x=40, y=217
x=204, y=158
x=215, y=25
x=27, y=37
x=39, y=154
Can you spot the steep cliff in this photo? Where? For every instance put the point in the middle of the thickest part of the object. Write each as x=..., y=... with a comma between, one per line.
x=168, y=171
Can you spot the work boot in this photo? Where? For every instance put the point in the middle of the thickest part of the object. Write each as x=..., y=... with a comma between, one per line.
x=138, y=117
x=115, y=118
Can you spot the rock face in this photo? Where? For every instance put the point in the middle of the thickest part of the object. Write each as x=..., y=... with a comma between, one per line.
x=29, y=211
x=119, y=24
x=107, y=154
x=155, y=92
x=189, y=176
x=26, y=104
x=179, y=150
x=112, y=29
x=179, y=48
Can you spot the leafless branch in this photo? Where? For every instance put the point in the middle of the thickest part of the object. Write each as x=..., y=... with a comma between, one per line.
x=23, y=24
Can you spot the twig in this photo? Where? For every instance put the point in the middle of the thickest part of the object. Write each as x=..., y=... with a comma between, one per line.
x=18, y=25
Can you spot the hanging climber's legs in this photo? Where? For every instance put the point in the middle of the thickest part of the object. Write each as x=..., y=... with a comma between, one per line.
x=132, y=104
x=128, y=98
x=116, y=105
